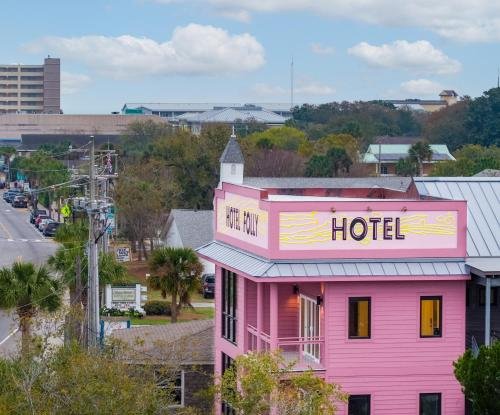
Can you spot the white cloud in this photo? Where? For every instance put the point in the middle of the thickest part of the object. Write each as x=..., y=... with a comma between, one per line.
x=73, y=82
x=193, y=50
x=462, y=20
x=268, y=90
x=421, y=87
x=242, y=16
x=304, y=87
x=320, y=49
x=419, y=57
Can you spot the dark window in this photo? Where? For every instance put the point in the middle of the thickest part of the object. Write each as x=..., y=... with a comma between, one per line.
x=384, y=169
x=31, y=78
x=431, y=316
x=229, y=305
x=173, y=384
x=38, y=69
x=359, y=318
x=359, y=405
x=482, y=296
x=226, y=408
x=430, y=404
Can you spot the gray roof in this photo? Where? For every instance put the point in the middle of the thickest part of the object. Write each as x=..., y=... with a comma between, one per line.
x=232, y=115
x=189, y=342
x=484, y=265
x=256, y=266
x=196, y=227
x=483, y=208
x=232, y=153
x=395, y=183
x=488, y=173
x=202, y=106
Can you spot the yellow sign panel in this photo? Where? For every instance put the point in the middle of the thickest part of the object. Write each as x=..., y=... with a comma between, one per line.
x=66, y=211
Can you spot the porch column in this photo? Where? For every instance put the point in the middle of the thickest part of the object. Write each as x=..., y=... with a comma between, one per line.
x=242, y=313
x=487, y=312
x=260, y=313
x=273, y=315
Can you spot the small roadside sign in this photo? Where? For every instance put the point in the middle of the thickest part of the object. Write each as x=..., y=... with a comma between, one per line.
x=66, y=211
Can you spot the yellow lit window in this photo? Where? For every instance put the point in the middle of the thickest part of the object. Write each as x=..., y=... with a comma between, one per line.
x=359, y=318
x=430, y=316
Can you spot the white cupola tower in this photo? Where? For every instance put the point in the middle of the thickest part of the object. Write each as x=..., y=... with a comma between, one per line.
x=232, y=162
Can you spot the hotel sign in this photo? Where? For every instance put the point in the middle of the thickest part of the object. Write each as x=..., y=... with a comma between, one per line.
x=355, y=230
x=240, y=217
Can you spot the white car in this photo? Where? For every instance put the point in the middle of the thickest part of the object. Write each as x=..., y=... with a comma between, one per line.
x=43, y=224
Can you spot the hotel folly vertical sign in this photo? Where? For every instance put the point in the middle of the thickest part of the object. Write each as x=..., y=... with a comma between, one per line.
x=240, y=217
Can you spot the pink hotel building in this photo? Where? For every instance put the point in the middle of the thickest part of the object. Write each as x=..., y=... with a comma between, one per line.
x=367, y=292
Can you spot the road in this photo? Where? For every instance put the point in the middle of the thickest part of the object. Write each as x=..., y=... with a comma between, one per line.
x=19, y=240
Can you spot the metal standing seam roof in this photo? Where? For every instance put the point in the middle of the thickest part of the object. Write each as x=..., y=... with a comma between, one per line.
x=231, y=115
x=393, y=152
x=259, y=267
x=394, y=183
x=483, y=208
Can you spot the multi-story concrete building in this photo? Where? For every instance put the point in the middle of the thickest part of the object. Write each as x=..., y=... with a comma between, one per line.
x=32, y=89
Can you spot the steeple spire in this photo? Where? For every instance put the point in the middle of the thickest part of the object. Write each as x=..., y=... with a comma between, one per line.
x=232, y=162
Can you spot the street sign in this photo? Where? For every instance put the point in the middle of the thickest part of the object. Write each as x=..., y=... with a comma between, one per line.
x=66, y=211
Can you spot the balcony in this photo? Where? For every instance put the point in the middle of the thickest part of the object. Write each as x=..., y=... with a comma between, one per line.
x=303, y=353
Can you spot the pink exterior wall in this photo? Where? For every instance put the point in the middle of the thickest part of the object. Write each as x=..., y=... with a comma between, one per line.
x=395, y=364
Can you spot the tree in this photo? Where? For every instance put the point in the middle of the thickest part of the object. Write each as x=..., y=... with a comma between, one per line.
x=73, y=381
x=7, y=152
x=335, y=161
x=71, y=262
x=345, y=141
x=258, y=382
x=483, y=119
x=274, y=163
x=138, y=137
x=418, y=153
x=470, y=160
x=447, y=126
x=284, y=138
x=480, y=378
x=406, y=167
x=27, y=290
x=176, y=271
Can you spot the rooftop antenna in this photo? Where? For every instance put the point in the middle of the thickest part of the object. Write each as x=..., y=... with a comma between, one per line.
x=291, y=84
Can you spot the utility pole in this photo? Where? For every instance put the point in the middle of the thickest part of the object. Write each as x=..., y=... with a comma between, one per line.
x=93, y=272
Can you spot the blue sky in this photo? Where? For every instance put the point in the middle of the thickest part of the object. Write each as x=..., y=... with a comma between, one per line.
x=121, y=51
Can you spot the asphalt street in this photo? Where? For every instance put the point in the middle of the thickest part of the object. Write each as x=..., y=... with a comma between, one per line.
x=19, y=240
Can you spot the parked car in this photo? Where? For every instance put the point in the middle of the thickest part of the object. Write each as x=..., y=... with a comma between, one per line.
x=35, y=212
x=51, y=229
x=39, y=218
x=20, y=202
x=12, y=194
x=43, y=223
x=208, y=285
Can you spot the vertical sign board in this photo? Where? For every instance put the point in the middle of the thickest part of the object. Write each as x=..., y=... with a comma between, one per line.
x=362, y=230
x=240, y=217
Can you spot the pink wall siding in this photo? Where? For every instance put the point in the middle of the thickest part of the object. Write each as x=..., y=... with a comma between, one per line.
x=288, y=323
x=251, y=301
x=395, y=365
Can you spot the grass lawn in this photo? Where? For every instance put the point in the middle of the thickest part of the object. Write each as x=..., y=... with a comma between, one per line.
x=137, y=272
x=186, y=315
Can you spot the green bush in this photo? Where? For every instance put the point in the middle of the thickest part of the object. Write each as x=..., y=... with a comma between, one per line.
x=157, y=308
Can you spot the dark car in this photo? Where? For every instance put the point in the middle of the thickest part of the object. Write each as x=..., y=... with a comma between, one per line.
x=208, y=285
x=20, y=202
x=35, y=212
x=51, y=229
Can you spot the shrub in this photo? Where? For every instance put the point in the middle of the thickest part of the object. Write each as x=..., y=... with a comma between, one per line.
x=157, y=308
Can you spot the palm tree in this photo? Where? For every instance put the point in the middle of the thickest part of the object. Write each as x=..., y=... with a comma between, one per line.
x=28, y=290
x=419, y=152
x=176, y=271
x=70, y=261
